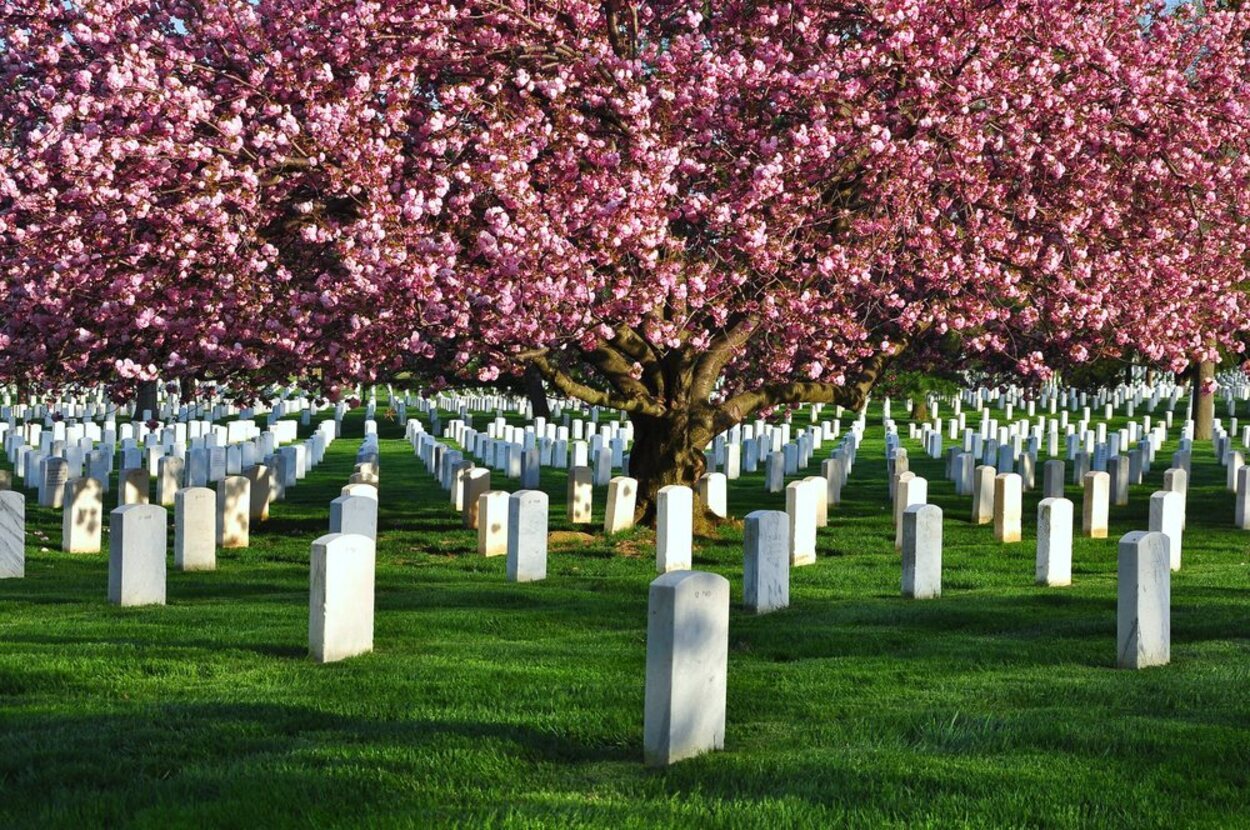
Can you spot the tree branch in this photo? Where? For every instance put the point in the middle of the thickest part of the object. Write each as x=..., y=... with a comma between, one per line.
x=850, y=395
x=714, y=360
x=562, y=381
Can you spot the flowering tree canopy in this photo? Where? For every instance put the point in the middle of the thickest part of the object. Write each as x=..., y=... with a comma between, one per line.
x=690, y=212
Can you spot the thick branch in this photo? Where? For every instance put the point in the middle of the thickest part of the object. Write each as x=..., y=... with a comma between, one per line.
x=850, y=395
x=635, y=346
x=569, y=387
x=618, y=371
x=714, y=360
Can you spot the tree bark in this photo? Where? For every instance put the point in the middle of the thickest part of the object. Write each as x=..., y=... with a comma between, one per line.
x=145, y=399
x=671, y=403
x=536, y=392
x=1204, y=402
x=920, y=409
x=665, y=451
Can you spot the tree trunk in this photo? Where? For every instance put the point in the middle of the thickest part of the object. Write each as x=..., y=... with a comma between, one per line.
x=920, y=409
x=667, y=451
x=1204, y=402
x=145, y=399
x=536, y=392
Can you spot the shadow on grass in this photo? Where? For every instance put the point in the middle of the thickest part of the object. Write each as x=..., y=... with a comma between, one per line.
x=288, y=761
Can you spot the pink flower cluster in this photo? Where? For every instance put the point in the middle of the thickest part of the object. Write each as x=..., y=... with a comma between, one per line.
x=249, y=191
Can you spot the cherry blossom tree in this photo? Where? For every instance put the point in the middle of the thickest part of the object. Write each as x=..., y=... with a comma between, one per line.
x=693, y=213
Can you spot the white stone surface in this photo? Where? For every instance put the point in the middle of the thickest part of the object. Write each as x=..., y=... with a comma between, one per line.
x=766, y=561
x=354, y=515
x=82, y=519
x=1143, y=601
x=674, y=528
x=12, y=535
x=801, y=510
x=687, y=666
x=581, y=497
x=922, y=551
x=911, y=491
x=137, y=554
x=234, y=506
x=492, y=523
x=1096, y=506
x=527, y=536
x=1054, y=542
x=714, y=493
x=1008, y=506
x=983, y=495
x=622, y=498
x=169, y=474
x=476, y=483
x=341, y=592
x=258, y=475
x=1167, y=513
x=133, y=486
x=1053, y=477
x=195, y=529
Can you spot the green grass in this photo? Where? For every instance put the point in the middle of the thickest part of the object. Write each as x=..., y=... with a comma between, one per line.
x=488, y=704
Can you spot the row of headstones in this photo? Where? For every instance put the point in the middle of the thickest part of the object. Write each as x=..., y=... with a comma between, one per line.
x=1052, y=396
x=1033, y=432
x=355, y=510
x=169, y=461
x=688, y=624
x=523, y=459
x=203, y=519
x=688, y=612
x=80, y=408
x=342, y=565
x=520, y=451
x=495, y=513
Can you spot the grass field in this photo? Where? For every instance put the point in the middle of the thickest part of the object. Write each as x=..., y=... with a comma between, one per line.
x=488, y=704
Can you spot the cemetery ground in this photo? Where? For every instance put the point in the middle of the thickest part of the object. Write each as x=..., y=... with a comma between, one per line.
x=487, y=703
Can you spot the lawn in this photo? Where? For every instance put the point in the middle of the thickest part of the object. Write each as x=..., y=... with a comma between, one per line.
x=488, y=704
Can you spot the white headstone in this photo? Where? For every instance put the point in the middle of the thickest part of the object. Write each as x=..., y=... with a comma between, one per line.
x=527, y=536
x=580, y=496
x=1143, y=601
x=476, y=484
x=234, y=505
x=1094, y=511
x=983, y=495
x=687, y=665
x=801, y=512
x=1054, y=542
x=195, y=529
x=622, y=498
x=673, y=528
x=133, y=486
x=713, y=493
x=137, y=554
x=82, y=519
x=766, y=561
x=1007, y=507
x=12, y=535
x=261, y=489
x=492, y=523
x=340, y=607
x=1167, y=511
x=922, y=551
x=169, y=470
